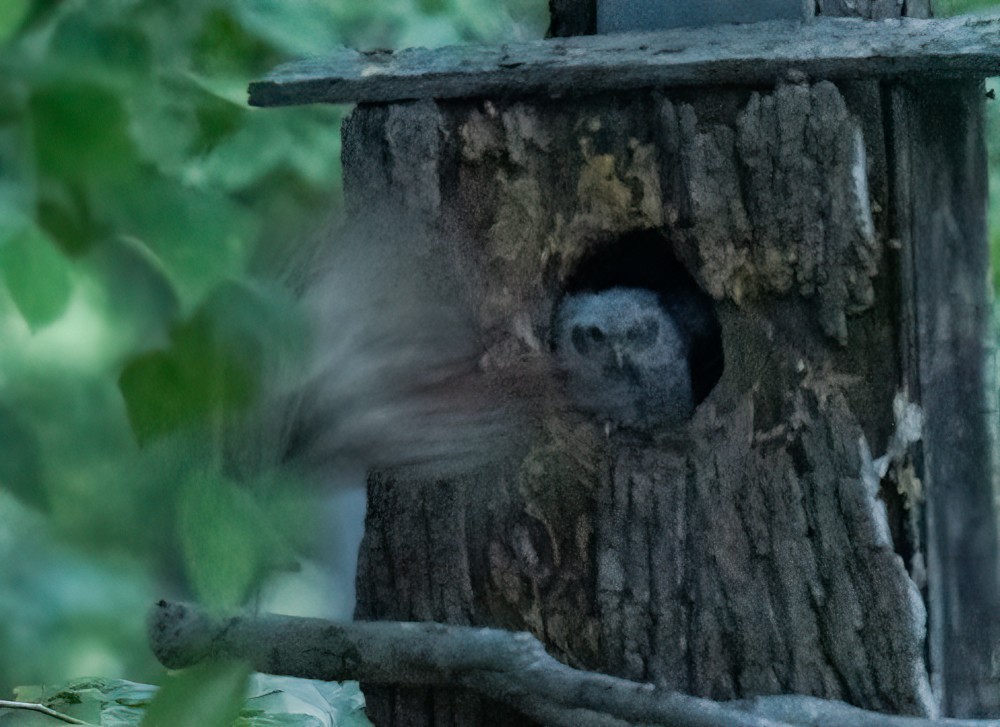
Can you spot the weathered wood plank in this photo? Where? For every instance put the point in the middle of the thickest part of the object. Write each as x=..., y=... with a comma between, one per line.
x=757, y=54
x=939, y=155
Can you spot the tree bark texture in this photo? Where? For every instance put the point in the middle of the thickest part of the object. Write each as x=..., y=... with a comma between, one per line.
x=745, y=555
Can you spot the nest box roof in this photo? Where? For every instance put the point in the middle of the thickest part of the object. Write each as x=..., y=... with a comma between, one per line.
x=748, y=55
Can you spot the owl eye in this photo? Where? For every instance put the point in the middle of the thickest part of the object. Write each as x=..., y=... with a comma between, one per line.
x=643, y=333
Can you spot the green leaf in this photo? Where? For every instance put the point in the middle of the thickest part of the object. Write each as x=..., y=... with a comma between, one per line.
x=206, y=695
x=36, y=275
x=195, y=382
x=313, y=703
x=20, y=460
x=216, y=363
x=12, y=14
x=164, y=127
x=213, y=367
x=228, y=540
x=224, y=48
x=140, y=297
x=111, y=51
x=218, y=530
x=290, y=139
x=81, y=132
x=302, y=28
x=67, y=216
x=200, y=237
x=271, y=701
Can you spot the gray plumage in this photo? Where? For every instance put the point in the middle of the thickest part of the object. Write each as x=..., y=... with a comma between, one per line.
x=625, y=358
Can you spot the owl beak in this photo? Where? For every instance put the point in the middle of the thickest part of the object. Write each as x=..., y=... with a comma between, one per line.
x=619, y=357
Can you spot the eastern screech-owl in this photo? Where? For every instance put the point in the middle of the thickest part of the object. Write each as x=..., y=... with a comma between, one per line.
x=625, y=357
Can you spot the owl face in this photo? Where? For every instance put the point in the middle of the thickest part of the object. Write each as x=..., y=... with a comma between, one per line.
x=624, y=357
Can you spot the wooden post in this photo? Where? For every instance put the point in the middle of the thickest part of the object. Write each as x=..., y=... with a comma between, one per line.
x=939, y=166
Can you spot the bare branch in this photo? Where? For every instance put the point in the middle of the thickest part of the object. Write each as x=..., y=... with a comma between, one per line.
x=42, y=709
x=512, y=668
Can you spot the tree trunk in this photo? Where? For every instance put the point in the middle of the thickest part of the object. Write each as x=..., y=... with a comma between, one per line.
x=758, y=551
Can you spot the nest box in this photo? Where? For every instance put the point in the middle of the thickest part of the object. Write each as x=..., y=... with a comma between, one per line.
x=825, y=523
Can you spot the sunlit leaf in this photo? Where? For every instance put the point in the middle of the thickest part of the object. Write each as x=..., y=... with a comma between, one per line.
x=139, y=294
x=37, y=276
x=207, y=695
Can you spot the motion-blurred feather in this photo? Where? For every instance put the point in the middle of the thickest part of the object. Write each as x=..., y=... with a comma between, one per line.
x=392, y=380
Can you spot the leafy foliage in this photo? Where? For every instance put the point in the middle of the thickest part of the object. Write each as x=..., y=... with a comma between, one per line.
x=148, y=217
x=236, y=698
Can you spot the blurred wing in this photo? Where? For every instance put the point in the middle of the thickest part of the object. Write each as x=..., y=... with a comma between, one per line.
x=393, y=381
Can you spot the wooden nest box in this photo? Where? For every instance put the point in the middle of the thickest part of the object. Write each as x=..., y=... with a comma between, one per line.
x=825, y=523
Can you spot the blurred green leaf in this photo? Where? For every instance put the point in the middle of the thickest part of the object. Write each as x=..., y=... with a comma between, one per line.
x=67, y=612
x=271, y=701
x=12, y=14
x=306, y=27
x=81, y=132
x=228, y=540
x=225, y=48
x=207, y=695
x=201, y=237
x=21, y=466
x=270, y=141
x=110, y=51
x=66, y=214
x=165, y=126
x=215, y=364
x=139, y=297
x=204, y=375
x=36, y=275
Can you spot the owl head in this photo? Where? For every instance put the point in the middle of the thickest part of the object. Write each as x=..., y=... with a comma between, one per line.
x=624, y=357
